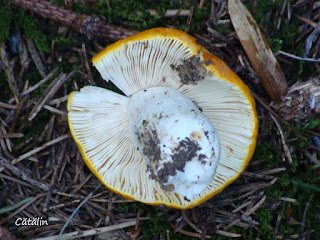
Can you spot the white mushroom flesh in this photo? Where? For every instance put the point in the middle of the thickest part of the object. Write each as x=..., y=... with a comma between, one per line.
x=177, y=141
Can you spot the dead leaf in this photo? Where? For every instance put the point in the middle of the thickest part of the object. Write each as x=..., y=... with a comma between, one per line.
x=258, y=50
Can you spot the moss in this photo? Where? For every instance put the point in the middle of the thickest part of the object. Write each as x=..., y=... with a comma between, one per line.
x=299, y=181
x=63, y=42
x=224, y=29
x=31, y=30
x=5, y=22
x=156, y=225
x=268, y=152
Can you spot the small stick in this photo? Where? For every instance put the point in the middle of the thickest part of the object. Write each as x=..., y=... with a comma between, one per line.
x=86, y=62
x=92, y=232
x=38, y=149
x=62, y=205
x=281, y=13
x=304, y=216
x=272, y=171
x=37, y=85
x=24, y=56
x=54, y=110
x=314, y=133
x=283, y=141
x=242, y=206
x=306, y=20
x=299, y=235
x=228, y=234
x=277, y=227
x=286, y=199
x=8, y=67
x=54, y=176
x=7, y=140
x=46, y=129
x=187, y=26
x=218, y=35
x=245, y=188
x=236, y=216
x=317, y=60
x=18, y=172
x=8, y=106
x=49, y=133
x=255, y=175
x=17, y=113
x=184, y=215
x=91, y=26
x=17, y=181
x=36, y=58
x=265, y=105
x=76, y=189
x=248, y=212
x=11, y=135
x=190, y=234
x=312, y=158
x=169, y=13
x=201, y=4
x=50, y=90
x=49, y=93
x=194, y=215
x=58, y=100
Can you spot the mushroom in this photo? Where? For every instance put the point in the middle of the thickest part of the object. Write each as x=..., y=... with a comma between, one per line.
x=185, y=128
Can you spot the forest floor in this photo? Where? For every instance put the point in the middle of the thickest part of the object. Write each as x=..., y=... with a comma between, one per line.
x=42, y=174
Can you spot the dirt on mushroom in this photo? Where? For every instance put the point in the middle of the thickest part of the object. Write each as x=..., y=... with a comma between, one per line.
x=190, y=71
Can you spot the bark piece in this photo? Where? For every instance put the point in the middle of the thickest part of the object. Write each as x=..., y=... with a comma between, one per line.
x=302, y=100
x=91, y=26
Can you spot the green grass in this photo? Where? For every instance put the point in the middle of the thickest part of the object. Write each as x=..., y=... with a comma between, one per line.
x=5, y=20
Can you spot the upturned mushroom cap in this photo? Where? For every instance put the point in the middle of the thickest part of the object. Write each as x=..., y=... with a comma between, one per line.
x=114, y=133
x=178, y=142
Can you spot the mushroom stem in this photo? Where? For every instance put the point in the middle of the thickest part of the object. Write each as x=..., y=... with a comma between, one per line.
x=177, y=141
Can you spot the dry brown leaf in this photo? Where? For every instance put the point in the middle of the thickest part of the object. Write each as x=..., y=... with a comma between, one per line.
x=258, y=50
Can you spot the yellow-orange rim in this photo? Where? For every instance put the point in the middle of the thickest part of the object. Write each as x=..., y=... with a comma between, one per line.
x=218, y=68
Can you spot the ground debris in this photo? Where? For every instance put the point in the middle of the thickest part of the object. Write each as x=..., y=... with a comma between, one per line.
x=191, y=70
x=44, y=170
x=302, y=100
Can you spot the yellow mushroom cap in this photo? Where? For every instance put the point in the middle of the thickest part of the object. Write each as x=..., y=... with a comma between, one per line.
x=160, y=57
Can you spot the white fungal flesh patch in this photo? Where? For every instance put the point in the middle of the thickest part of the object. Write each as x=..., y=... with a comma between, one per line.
x=178, y=142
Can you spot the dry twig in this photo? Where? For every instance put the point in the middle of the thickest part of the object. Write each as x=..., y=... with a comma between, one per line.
x=50, y=92
x=92, y=27
x=8, y=67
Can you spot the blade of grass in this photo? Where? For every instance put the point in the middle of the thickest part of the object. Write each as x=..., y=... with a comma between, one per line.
x=15, y=206
x=76, y=210
x=306, y=185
